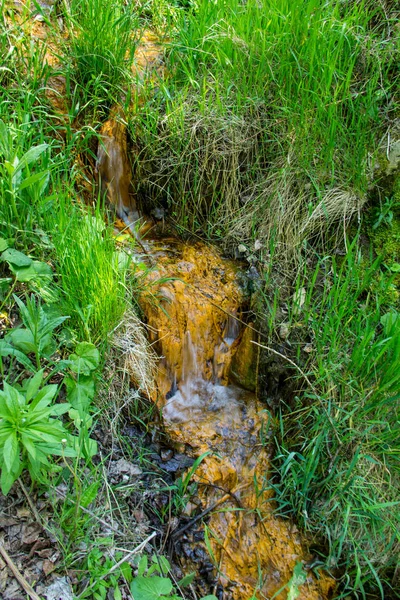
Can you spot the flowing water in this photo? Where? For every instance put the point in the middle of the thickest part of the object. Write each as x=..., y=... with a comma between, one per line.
x=198, y=339
x=193, y=307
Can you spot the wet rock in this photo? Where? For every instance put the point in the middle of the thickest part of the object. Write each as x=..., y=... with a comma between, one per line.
x=179, y=462
x=209, y=416
x=244, y=362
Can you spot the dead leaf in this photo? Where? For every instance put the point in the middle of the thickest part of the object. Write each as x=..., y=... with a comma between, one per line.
x=284, y=331
x=7, y=522
x=23, y=512
x=48, y=567
x=299, y=298
x=59, y=590
x=31, y=533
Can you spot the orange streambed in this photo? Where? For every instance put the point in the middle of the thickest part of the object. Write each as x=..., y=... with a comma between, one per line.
x=191, y=312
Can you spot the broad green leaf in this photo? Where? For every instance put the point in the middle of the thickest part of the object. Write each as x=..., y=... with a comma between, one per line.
x=299, y=578
x=88, y=448
x=23, y=340
x=60, y=409
x=7, y=350
x=117, y=593
x=44, y=397
x=143, y=564
x=5, y=284
x=89, y=494
x=390, y=321
x=16, y=258
x=4, y=410
x=29, y=445
x=85, y=359
x=3, y=244
x=58, y=450
x=37, y=271
x=187, y=580
x=80, y=420
x=4, y=140
x=10, y=451
x=395, y=267
x=33, y=385
x=40, y=178
x=14, y=400
x=80, y=392
x=52, y=324
x=150, y=588
x=126, y=571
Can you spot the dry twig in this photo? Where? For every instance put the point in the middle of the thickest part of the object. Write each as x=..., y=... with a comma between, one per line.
x=21, y=580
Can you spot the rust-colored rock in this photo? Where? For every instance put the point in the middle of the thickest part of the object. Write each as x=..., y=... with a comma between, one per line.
x=243, y=371
x=192, y=294
x=114, y=169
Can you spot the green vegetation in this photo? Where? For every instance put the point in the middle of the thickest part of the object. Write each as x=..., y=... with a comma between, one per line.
x=337, y=442
x=263, y=135
x=267, y=117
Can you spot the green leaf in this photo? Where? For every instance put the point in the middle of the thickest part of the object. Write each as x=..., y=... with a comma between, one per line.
x=3, y=244
x=6, y=481
x=60, y=409
x=7, y=350
x=187, y=580
x=37, y=271
x=390, y=321
x=80, y=392
x=85, y=359
x=126, y=571
x=44, y=397
x=41, y=178
x=16, y=258
x=10, y=451
x=117, y=593
x=89, y=494
x=143, y=564
x=30, y=156
x=52, y=324
x=5, y=284
x=395, y=267
x=14, y=400
x=23, y=340
x=33, y=385
x=150, y=588
x=29, y=445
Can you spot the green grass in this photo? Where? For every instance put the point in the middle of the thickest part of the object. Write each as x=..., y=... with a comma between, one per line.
x=264, y=128
x=91, y=272
x=337, y=443
x=267, y=117
x=103, y=37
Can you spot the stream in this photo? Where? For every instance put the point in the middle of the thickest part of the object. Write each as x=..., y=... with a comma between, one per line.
x=192, y=306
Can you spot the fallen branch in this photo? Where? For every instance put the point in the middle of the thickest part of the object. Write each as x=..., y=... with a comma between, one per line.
x=21, y=580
